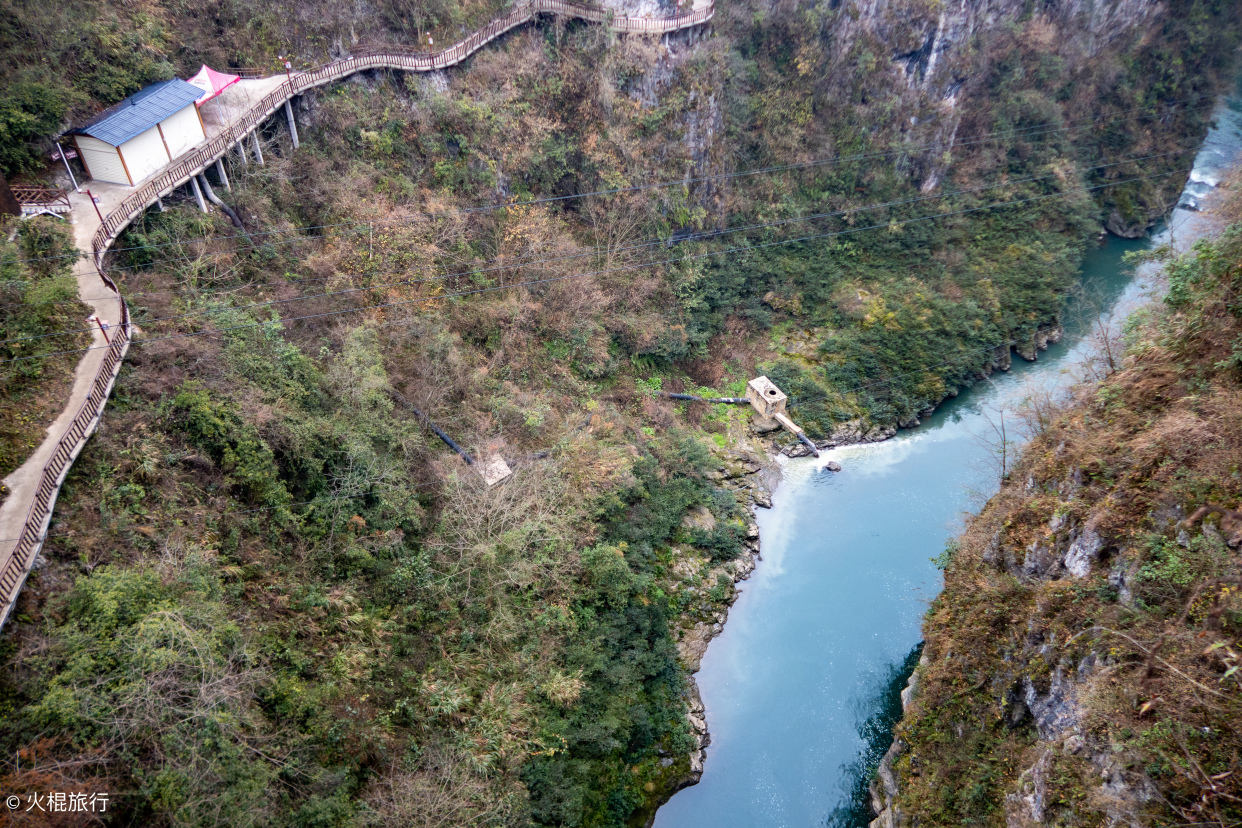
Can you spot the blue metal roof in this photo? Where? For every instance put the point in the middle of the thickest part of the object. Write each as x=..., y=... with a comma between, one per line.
x=140, y=111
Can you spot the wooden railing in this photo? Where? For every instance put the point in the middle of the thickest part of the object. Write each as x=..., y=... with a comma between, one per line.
x=41, y=196
x=71, y=442
x=300, y=81
x=40, y=515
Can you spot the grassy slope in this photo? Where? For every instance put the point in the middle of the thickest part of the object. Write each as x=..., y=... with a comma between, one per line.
x=384, y=641
x=1146, y=646
x=37, y=297
x=64, y=62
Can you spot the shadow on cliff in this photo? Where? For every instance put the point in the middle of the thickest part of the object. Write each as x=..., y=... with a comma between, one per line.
x=883, y=699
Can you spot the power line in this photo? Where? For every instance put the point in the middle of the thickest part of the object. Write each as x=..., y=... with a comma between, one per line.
x=675, y=260
x=794, y=401
x=1034, y=131
x=742, y=249
x=332, y=499
x=316, y=501
x=891, y=378
x=1029, y=132
x=523, y=260
x=599, y=251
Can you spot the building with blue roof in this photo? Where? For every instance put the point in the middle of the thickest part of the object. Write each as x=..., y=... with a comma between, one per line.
x=132, y=140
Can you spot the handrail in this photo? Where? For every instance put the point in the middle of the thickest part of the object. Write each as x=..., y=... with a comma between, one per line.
x=298, y=82
x=39, y=516
x=39, y=196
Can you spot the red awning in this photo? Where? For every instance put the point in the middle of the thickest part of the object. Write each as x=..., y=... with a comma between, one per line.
x=212, y=83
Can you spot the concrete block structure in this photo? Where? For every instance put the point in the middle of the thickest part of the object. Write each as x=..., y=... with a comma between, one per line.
x=494, y=470
x=765, y=397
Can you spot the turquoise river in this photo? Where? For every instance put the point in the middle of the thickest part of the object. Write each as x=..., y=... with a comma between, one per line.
x=801, y=688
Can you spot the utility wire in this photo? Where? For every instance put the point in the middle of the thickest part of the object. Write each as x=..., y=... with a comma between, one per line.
x=523, y=260
x=793, y=401
x=892, y=377
x=599, y=251
x=331, y=499
x=678, y=397
x=1030, y=132
x=1033, y=131
x=675, y=260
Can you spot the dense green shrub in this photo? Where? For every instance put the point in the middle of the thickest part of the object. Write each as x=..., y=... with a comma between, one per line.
x=234, y=444
x=43, y=324
x=29, y=112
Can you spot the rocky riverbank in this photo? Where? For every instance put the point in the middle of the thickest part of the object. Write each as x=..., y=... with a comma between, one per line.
x=749, y=469
x=1088, y=622
x=852, y=432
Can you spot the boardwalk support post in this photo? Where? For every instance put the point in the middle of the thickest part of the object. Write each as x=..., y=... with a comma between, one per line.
x=198, y=194
x=215, y=199
x=293, y=125
x=258, y=148
x=224, y=179
x=159, y=203
x=241, y=153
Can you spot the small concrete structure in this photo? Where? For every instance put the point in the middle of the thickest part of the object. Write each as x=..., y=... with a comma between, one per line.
x=769, y=401
x=142, y=134
x=765, y=397
x=494, y=469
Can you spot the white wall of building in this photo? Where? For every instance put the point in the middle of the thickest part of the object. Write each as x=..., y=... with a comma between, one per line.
x=144, y=155
x=101, y=159
x=182, y=130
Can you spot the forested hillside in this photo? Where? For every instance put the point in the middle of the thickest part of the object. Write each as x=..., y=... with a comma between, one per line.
x=271, y=597
x=1083, y=665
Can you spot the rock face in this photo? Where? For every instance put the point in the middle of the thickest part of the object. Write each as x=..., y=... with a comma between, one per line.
x=885, y=786
x=764, y=425
x=934, y=48
x=750, y=478
x=1064, y=548
x=1043, y=336
x=1126, y=229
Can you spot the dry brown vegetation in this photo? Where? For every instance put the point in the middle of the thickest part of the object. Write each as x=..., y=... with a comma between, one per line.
x=406, y=646
x=1082, y=664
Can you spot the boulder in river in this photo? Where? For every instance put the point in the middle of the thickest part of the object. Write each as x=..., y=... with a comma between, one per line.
x=1119, y=226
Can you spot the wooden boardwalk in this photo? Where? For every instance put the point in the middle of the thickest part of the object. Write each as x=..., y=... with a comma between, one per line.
x=27, y=512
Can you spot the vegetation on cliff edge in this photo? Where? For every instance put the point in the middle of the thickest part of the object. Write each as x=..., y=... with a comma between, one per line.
x=1084, y=662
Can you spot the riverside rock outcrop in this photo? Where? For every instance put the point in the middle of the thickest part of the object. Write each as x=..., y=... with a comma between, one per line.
x=1087, y=639
x=750, y=477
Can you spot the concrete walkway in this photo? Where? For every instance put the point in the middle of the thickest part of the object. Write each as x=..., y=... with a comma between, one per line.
x=228, y=119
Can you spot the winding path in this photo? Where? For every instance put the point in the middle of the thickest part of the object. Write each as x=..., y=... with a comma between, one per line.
x=241, y=109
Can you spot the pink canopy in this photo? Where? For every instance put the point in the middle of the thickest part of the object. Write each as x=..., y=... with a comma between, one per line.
x=212, y=83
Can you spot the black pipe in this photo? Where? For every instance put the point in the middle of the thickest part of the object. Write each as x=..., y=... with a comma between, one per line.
x=691, y=397
x=215, y=199
x=448, y=441
x=806, y=441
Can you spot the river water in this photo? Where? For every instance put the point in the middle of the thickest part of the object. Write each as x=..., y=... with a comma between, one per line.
x=802, y=687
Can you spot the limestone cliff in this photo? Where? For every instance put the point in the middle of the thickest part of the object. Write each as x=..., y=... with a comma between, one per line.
x=1082, y=665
